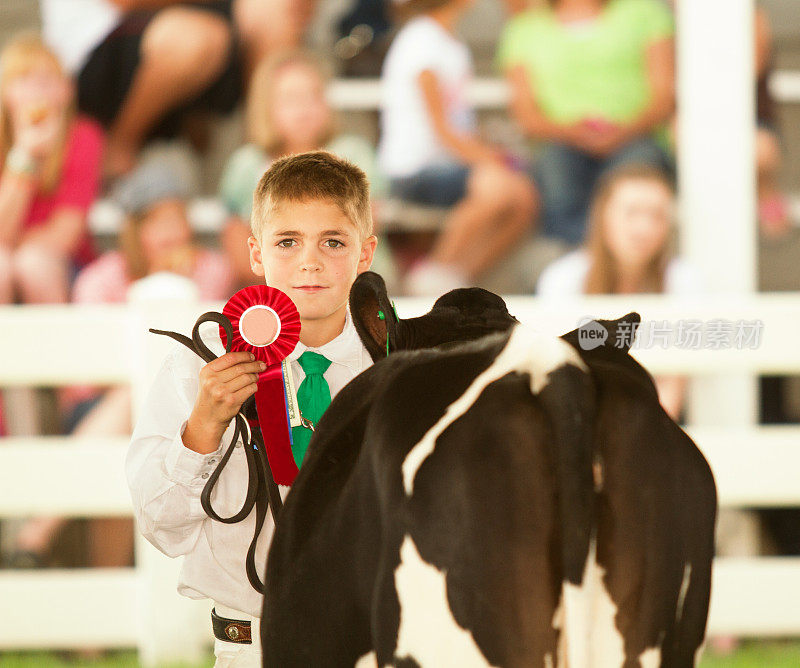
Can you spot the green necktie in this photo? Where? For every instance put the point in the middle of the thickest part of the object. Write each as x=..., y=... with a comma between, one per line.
x=313, y=398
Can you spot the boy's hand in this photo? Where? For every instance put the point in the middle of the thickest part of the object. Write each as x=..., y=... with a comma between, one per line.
x=225, y=384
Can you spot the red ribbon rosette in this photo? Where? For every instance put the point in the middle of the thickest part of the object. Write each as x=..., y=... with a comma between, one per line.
x=266, y=323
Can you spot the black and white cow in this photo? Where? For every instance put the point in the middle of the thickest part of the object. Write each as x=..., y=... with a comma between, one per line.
x=510, y=501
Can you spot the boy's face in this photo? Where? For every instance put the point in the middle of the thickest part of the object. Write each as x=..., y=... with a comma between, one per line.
x=313, y=252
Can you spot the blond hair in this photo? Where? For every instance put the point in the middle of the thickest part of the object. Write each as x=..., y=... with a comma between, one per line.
x=17, y=59
x=316, y=175
x=603, y=274
x=261, y=98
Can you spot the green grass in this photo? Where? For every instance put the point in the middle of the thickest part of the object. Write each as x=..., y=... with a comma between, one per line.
x=751, y=654
x=127, y=659
x=755, y=654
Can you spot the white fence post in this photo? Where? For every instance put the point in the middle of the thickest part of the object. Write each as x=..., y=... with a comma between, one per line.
x=716, y=160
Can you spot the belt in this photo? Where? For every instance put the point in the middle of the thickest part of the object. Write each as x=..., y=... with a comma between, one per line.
x=231, y=630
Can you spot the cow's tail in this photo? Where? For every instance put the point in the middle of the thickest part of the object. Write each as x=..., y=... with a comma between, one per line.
x=568, y=396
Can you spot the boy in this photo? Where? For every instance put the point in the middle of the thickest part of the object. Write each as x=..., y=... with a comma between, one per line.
x=312, y=235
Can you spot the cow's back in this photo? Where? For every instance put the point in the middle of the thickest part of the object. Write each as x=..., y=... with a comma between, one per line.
x=478, y=534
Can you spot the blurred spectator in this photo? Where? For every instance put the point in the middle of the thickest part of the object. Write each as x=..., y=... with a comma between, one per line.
x=593, y=80
x=156, y=237
x=431, y=151
x=50, y=161
x=773, y=211
x=140, y=63
x=287, y=112
x=628, y=250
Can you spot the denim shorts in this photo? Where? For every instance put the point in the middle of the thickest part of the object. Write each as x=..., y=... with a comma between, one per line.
x=439, y=185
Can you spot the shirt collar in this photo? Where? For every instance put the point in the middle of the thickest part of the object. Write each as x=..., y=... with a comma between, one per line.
x=345, y=349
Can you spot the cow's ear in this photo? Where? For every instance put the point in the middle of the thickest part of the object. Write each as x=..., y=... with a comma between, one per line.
x=373, y=314
x=622, y=331
x=618, y=335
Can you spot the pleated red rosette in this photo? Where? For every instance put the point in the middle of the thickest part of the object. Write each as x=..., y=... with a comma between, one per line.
x=240, y=308
x=266, y=323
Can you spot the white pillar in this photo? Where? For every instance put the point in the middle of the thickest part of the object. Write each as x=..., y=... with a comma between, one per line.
x=716, y=164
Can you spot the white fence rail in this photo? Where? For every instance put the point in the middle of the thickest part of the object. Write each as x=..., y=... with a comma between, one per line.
x=493, y=92
x=139, y=607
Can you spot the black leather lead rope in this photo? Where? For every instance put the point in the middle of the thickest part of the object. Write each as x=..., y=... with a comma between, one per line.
x=262, y=501
x=262, y=491
x=252, y=481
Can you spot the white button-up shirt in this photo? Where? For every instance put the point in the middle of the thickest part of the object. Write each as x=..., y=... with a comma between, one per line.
x=166, y=478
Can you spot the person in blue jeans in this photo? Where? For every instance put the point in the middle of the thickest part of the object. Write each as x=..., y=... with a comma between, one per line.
x=567, y=177
x=592, y=85
x=432, y=152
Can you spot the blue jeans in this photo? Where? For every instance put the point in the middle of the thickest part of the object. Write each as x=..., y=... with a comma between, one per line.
x=438, y=185
x=566, y=178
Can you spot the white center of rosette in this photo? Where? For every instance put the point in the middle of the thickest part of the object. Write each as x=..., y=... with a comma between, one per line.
x=260, y=326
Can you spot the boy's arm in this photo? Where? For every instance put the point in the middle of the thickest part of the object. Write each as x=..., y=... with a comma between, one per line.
x=165, y=475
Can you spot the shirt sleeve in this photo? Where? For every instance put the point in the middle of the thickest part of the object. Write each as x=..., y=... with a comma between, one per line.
x=508, y=49
x=656, y=22
x=165, y=477
x=420, y=48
